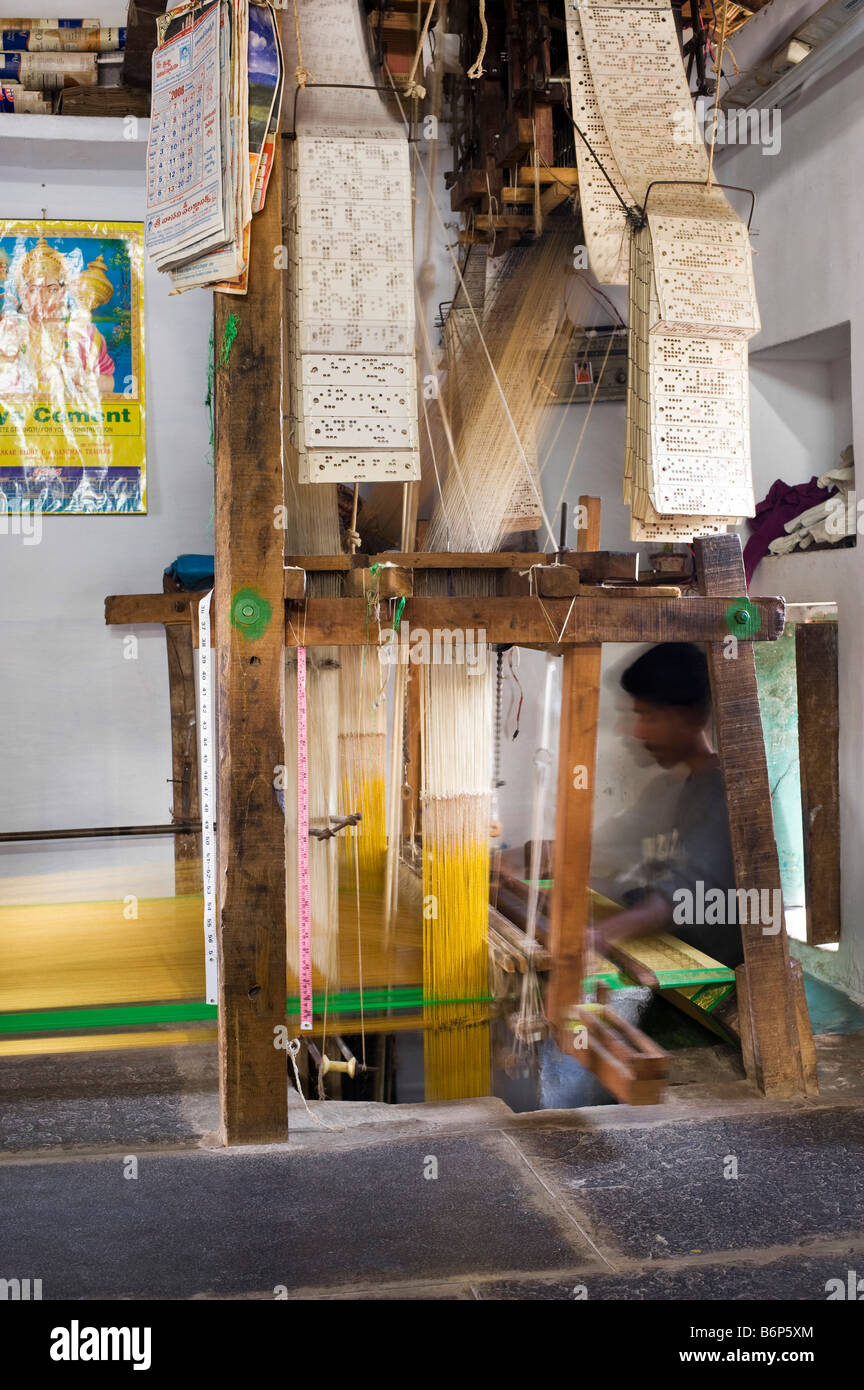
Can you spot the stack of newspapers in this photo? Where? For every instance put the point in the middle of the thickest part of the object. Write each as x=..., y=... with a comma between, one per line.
x=217, y=93
x=41, y=57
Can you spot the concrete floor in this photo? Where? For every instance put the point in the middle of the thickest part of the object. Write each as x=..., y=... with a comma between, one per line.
x=605, y=1203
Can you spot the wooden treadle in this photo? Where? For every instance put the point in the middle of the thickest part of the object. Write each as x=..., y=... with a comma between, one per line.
x=625, y=1060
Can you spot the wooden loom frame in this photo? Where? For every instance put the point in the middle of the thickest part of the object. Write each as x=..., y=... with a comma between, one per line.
x=250, y=565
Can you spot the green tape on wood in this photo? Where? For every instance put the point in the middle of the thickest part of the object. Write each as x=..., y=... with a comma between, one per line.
x=250, y=613
x=743, y=618
x=229, y=333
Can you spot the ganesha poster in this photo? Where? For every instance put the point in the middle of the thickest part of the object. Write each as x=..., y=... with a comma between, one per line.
x=71, y=367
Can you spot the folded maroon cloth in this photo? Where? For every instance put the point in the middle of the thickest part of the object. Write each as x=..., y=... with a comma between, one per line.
x=782, y=503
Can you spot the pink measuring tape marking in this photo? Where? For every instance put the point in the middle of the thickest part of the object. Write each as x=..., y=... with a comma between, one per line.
x=303, y=891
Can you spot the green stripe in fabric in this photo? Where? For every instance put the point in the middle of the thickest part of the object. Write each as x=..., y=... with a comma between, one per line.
x=194, y=1011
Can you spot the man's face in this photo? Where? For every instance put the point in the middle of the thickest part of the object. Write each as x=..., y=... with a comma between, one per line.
x=667, y=732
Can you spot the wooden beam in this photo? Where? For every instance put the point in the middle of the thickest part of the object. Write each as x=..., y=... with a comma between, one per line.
x=596, y=565
x=574, y=810
x=504, y=222
x=543, y=133
x=388, y=581
x=599, y=616
x=624, y=1060
x=805, y=1032
x=185, y=806
x=294, y=584
x=421, y=560
x=249, y=626
x=125, y=610
x=816, y=657
x=552, y=197
x=634, y=1048
x=772, y=1017
x=514, y=141
x=569, y=177
x=472, y=185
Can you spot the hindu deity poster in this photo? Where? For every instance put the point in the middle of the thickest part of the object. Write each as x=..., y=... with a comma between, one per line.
x=72, y=367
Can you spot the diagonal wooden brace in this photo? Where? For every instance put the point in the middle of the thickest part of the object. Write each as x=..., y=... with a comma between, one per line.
x=778, y=1032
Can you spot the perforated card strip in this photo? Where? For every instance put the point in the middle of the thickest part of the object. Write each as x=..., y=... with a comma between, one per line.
x=356, y=466
x=642, y=94
x=603, y=218
x=704, y=275
x=700, y=426
x=358, y=369
x=353, y=393
x=652, y=386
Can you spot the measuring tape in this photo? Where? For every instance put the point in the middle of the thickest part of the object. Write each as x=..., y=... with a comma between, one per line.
x=304, y=899
x=208, y=838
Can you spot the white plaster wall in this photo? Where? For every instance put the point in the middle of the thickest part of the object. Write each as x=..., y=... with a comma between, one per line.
x=810, y=276
x=87, y=736
x=792, y=422
x=597, y=469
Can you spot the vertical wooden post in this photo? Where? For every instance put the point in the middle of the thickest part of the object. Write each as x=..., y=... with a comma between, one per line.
x=574, y=808
x=184, y=748
x=249, y=634
x=769, y=1002
x=819, y=757
x=411, y=809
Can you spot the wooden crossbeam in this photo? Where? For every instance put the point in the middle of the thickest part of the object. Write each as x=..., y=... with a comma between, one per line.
x=601, y=616
x=125, y=610
x=419, y=559
x=545, y=175
x=598, y=615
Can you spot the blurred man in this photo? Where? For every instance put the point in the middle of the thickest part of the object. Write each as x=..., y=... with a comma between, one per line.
x=668, y=859
x=685, y=883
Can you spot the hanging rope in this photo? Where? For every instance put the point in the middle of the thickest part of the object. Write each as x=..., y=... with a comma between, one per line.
x=412, y=88
x=476, y=69
x=302, y=75
x=718, y=68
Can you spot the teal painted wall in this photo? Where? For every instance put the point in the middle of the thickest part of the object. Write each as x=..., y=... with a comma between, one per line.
x=778, y=700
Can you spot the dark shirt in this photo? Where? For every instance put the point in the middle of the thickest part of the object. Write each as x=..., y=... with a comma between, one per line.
x=689, y=859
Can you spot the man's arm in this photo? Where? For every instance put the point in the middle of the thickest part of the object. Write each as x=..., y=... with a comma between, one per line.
x=652, y=914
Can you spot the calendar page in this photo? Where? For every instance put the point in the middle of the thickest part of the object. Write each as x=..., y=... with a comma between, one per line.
x=184, y=162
